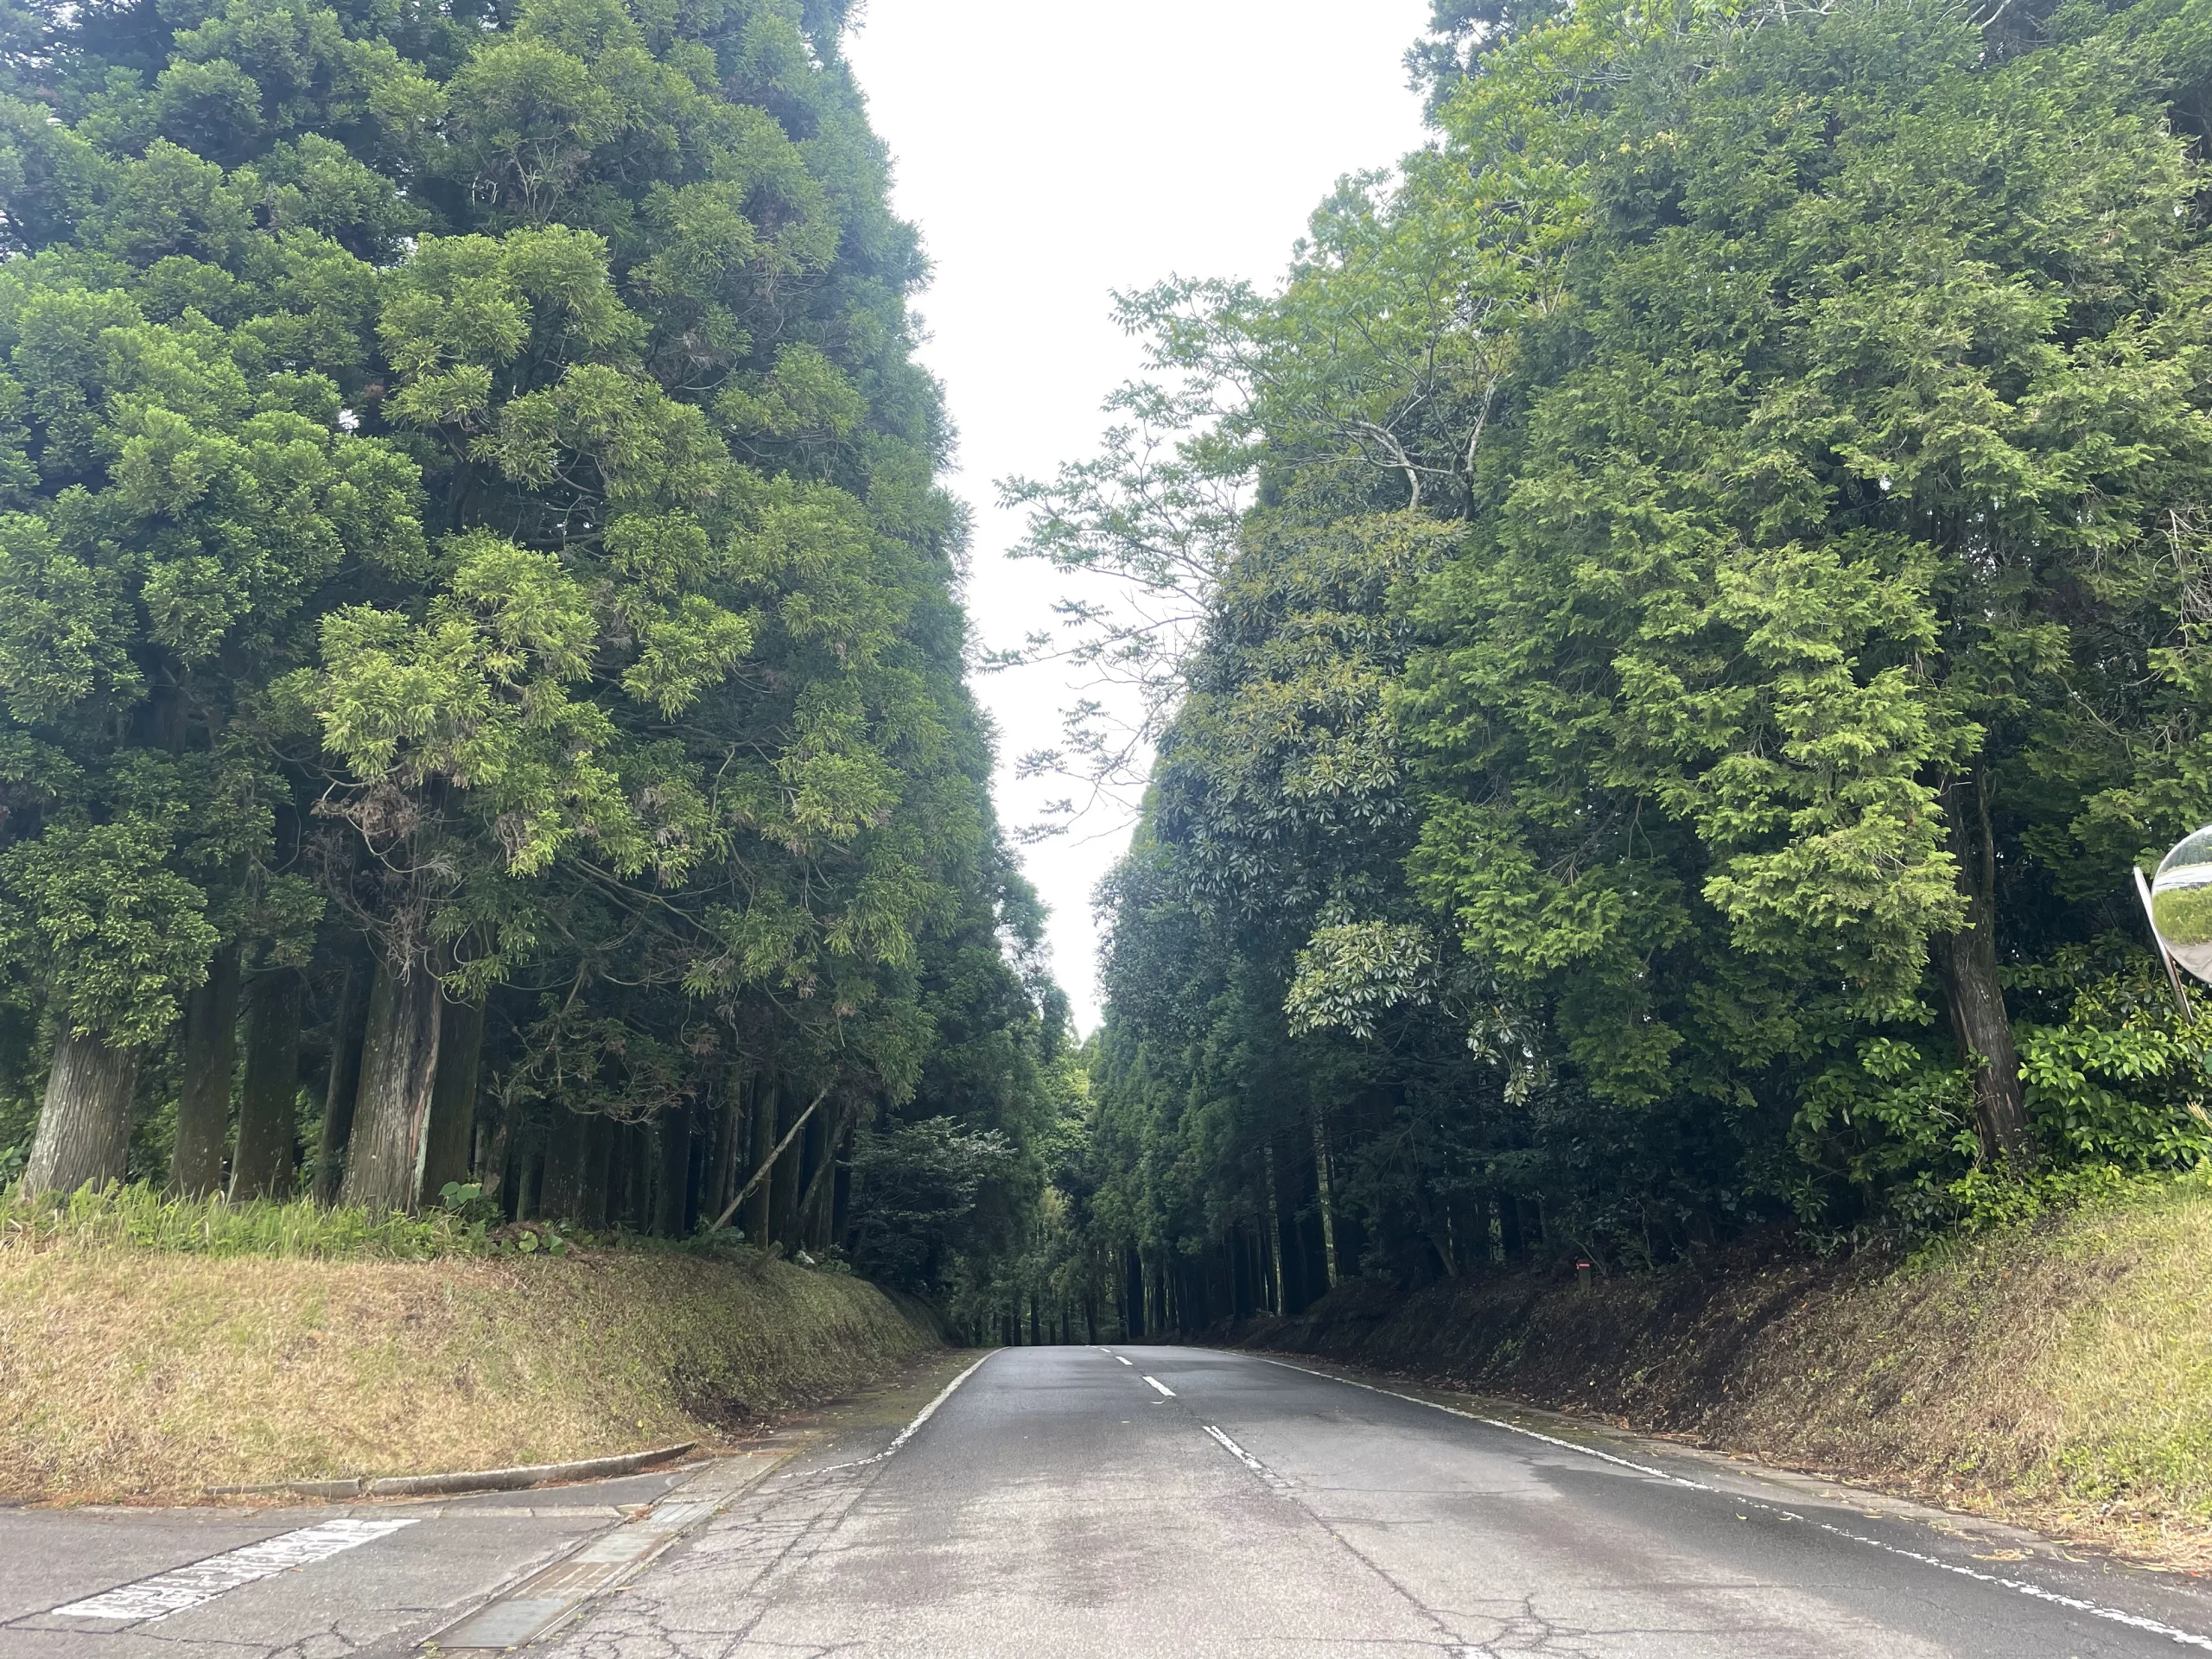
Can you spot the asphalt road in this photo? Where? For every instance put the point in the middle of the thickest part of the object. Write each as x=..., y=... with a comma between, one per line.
x=1085, y=1501
x=1063, y=1503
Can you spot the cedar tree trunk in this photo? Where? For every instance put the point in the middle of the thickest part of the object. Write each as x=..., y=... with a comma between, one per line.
x=492, y=1170
x=814, y=1208
x=84, y=1128
x=1290, y=1256
x=782, y=1182
x=568, y=1143
x=600, y=1141
x=345, y=1028
x=841, y=1195
x=399, y=1065
x=727, y=1123
x=453, y=1098
x=269, y=1099
x=211, y=1061
x=763, y=1142
x=672, y=1192
x=1965, y=962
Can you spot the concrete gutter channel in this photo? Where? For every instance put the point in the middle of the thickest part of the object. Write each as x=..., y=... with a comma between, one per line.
x=604, y=1561
x=550, y=1595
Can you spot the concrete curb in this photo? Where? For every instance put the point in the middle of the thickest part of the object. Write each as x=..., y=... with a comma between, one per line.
x=473, y=1480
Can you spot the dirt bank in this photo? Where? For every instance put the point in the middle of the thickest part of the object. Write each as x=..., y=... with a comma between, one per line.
x=139, y=1375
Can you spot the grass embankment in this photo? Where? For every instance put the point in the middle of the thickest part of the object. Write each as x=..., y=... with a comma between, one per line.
x=143, y=1357
x=2058, y=1373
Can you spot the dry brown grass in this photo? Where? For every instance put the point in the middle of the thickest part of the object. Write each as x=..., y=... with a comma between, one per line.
x=2058, y=1376
x=130, y=1374
x=2061, y=1377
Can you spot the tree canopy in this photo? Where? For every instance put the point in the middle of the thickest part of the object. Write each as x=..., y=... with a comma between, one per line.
x=479, y=617
x=1714, y=608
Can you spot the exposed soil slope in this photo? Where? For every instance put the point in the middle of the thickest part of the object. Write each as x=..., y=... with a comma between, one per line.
x=2060, y=1374
x=128, y=1374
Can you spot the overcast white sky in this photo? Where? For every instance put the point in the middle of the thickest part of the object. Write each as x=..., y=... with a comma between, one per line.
x=1053, y=153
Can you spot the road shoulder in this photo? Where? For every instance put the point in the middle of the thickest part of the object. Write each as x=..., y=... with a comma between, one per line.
x=1896, y=1521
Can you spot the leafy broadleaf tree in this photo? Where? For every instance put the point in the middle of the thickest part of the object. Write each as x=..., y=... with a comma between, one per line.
x=1714, y=609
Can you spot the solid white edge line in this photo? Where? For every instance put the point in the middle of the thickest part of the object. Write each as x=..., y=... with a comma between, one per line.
x=1495, y=1422
x=930, y=1410
x=1161, y=1386
x=904, y=1434
x=2021, y=1587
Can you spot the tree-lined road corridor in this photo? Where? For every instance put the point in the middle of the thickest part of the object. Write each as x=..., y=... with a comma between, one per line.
x=1092, y=1501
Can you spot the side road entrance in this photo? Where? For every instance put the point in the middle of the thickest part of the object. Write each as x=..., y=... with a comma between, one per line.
x=311, y=1581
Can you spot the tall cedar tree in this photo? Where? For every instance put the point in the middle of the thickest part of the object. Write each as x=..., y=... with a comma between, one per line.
x=469, y=491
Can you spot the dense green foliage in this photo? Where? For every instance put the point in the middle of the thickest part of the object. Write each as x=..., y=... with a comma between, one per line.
x=473, y=596
x=1718, y=606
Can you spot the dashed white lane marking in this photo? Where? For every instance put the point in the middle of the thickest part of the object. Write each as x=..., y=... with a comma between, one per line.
x=187, y=1586
x=1161, y=1386
x=905, y=1434
x=2018, y=1587
x=1273, y=1480
x=1126, y=1361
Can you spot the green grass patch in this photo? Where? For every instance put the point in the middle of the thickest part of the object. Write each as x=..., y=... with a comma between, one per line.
x=140, y=1217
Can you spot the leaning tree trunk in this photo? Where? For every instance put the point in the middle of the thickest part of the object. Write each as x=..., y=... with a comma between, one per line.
x=269, y=1099
x=211, y=1061
x=84, y=1128
x=1966, y=963
x=399, y=1066
x=453, y=1098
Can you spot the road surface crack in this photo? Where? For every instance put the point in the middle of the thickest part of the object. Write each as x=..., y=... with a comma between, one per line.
x=1455, y=1643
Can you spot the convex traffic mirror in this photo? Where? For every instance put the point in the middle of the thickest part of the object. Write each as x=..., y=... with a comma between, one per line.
x=2181, y=903
x=2178, y=901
